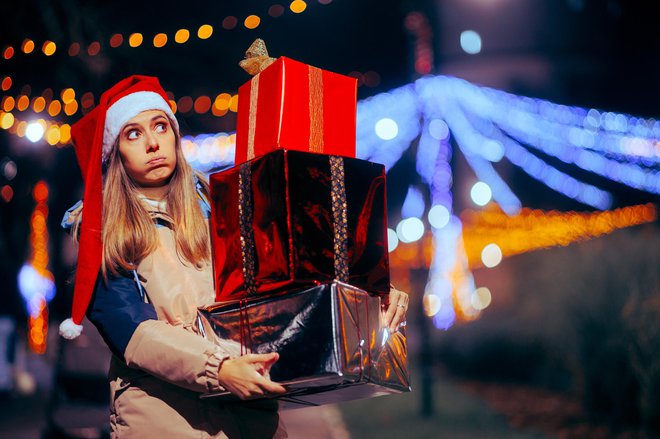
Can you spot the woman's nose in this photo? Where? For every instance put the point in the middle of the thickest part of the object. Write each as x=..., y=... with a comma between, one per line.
x=152, y=143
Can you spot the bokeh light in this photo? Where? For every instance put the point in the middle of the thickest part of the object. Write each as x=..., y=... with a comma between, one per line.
x=480, y=298
x=392, y=240
x=481, y=193
x=470, y=42
x=34, y=132
x=491, y=255
x=438, y=216
x=386, y=129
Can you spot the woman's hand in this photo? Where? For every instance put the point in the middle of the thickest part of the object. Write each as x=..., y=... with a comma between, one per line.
x=396, y=311
x=247, y=376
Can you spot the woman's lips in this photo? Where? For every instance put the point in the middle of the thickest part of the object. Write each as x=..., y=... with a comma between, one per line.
x=156, y=161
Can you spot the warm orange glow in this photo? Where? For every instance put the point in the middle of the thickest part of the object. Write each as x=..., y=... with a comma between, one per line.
x=6, y=121
x=534, y=229
x=233, y=104
x=94, y=48
x=53, y=135
x=252, y=21
x=222, y=102
x=38, y=330
x=134, y=40
x=48, y=48
x=38, y=104
x=8, y=52
x=20, y=128
x=160, y=40
x=172, y=105
x=202, y=104
x=8, y=103
x=6, y=83
x=22, y=103
x=181, y=36
x=74, y=49
x=54, y=108
x=68, y=95
x=40, y=191
x=218, y=112
x=27, y=46
x=205, y=31
x=65, y=133
x=70, y=108
x=116, y=40
x=298, y=6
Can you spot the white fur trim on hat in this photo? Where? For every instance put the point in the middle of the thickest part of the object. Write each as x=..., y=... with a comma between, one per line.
x=69, y=330
x=125, y=109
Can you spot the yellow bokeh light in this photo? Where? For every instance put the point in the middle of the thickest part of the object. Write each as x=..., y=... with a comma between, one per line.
x=27, y=46
x=20, y=128
x=65, y=133
x=252, y=21
x=298, y=6
x=6, y=83
x=181, y=36
x=481, y=298
x=68, y=95
x=6, y=121
x=53, y=135
x=160, y=40
x=54, y=108
x=205, y=31
x=233, y=104
x=22, y=103
x=8, y=103
x=70, y=108
x=432, y=304
x=222, y=101
x=135, y=39
x=38, y=104
x=48, y=48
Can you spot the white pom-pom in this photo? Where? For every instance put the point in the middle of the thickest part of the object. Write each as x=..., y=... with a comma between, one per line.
x=70, y=330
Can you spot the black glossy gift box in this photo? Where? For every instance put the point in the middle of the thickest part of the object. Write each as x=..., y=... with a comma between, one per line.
x=332, y=344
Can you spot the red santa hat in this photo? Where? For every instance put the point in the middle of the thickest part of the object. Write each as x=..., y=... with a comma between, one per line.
x=93, y=138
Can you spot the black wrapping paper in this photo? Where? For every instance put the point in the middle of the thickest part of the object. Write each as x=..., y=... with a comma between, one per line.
x=332, y=344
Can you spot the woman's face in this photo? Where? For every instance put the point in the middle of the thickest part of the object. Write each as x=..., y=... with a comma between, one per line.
x=147, y=148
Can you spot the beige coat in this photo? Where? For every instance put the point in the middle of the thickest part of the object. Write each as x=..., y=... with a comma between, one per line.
x=156, y=393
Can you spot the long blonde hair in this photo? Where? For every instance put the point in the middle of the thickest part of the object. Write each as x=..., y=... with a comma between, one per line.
x=129, y=233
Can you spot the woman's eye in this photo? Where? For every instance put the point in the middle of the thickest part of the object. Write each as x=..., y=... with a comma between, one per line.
x=161, y=127
x=132, y=135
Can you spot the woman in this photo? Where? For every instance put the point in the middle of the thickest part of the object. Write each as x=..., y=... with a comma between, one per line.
x=144, y=268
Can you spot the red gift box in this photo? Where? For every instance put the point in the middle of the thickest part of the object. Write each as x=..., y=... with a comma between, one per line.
x=292, y=105
x=290, y=220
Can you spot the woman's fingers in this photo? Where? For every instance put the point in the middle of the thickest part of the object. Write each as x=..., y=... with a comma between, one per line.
x=396, y=311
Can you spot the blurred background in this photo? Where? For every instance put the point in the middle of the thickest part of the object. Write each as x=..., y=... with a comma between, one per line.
x=522, y=144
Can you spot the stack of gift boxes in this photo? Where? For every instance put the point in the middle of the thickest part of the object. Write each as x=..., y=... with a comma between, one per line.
x=299, y=233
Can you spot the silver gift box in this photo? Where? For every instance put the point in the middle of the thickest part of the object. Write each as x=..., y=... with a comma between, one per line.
x=333, y=346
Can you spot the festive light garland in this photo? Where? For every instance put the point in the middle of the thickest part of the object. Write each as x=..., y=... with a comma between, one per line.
x=35, y=282
x=533, y=229
x=136, y=39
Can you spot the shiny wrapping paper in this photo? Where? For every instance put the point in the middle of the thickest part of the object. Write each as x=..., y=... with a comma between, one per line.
x=332, y=344
x=292, y=105
x=290, y=220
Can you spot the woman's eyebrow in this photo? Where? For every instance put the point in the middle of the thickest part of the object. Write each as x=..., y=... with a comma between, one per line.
x=135, y=124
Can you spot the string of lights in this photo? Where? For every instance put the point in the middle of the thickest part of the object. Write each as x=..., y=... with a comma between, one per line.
x=490, y=235
x=137, y=39
x=35, y=282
